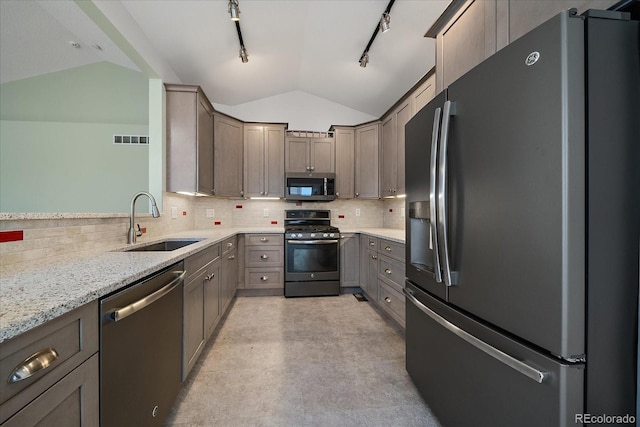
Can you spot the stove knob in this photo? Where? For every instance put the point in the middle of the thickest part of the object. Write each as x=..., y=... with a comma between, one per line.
x=292, y=235
x=312, y=235
x=325, y=235
x=332, y=235
x=299, y=235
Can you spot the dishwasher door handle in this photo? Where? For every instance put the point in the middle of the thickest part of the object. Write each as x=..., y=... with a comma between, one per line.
x=128, y=310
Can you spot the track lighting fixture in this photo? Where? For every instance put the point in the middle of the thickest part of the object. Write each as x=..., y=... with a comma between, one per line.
x=234, y=10
x=382, y=26
x=244, y=55
x=385, y=20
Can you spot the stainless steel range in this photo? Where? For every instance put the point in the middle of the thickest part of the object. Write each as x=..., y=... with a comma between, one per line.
x=312, y=254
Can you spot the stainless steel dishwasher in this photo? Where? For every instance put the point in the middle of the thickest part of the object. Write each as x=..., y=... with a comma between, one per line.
x=141, y=350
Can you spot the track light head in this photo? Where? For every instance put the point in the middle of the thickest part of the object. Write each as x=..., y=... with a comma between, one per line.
x=385, y=20
x=364, y=59
x=244, y=56
x=234, y=10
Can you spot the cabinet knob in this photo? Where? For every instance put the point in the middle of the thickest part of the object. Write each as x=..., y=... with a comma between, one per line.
x=374, y=257
x=387, y=248
x=264, y=239
x=386, y=270
x=232, y=257
x=312, y=168
x=357, y=194
x=263, y=256
x=388, y=300
x=337, y=194
x=264, y=278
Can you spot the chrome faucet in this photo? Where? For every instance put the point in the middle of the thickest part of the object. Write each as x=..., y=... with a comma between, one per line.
x=133, y=233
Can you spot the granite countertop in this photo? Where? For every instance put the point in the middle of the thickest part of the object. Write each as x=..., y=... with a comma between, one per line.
x=32, y=296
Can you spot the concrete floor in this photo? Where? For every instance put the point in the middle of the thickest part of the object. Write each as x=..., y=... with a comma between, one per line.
x=328, y=361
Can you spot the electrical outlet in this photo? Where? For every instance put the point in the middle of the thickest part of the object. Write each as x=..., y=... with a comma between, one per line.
x=401, y=212
x=357, y=211
x=265, y=213
x=211, y=213
x=174, y=212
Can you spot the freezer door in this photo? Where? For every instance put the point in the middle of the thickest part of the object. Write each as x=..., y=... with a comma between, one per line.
x=470, y=375
x=422, y=134
x=516, y=185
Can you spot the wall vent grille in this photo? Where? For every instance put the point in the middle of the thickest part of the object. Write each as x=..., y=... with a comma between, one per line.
x=131, y=139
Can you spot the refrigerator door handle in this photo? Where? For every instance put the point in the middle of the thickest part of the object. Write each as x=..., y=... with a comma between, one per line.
x=437, y=117
x=508, y=360
x=449, y=276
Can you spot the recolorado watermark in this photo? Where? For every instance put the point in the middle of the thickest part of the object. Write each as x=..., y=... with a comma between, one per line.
x=604, y=419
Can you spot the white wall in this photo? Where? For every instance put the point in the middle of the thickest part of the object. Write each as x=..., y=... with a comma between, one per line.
x=301, y=110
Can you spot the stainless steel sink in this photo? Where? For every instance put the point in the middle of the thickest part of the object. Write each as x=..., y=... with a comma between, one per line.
x=164, y=246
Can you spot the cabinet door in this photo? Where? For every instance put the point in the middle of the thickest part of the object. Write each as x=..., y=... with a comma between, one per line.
x=228, y=157
x=254, y=161
x=323, y=154
x=194, y=333
x=366, y=182
x=363, y=262
x=349, y=260
x=297, y=155
x=423, y=94
x=345, y=162
x=372, y=274
x=212, y=303
x=389, y=160
x=274, y=161
x=205, y=147
x=182, y=131
x=403, y=115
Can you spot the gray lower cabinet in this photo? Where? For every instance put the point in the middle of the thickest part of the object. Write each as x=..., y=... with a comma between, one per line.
x=349, y=260
x=369, y=266
x=367, y=161
x=189, y=140
x=345, y=161
x=228, y=272
x=201, y=303
x=65, y=389
x=227, y=156
x=264, y=261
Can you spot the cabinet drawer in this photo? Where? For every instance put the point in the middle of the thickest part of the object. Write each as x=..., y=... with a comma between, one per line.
x=196, y=261
x=71, y=401
x=371, y=242
x=72, y=336
x=265, y=256
x=229, y=244
x=391, y=249
x=391, y=270
x=392, y=301
x=261, y=278
x=263, y=239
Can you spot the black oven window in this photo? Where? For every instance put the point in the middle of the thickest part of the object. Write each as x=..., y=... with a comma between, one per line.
x=310, y=258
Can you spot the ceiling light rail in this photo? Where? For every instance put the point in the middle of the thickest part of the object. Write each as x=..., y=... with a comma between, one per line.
x=234, y=13
x=384, y=26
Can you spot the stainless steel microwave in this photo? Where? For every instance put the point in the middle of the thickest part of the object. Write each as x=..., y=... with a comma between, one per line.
x=310, y=186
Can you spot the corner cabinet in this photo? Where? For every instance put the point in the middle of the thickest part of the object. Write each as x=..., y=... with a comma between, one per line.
x=227, y=156
x=345, y=162
x=310, y=152
x=264, y=160
x=189, y=140
x=366, y=161
x=392, y=148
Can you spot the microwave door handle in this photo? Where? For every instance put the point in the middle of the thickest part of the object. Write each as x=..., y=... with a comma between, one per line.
x=325, y=186
x=433, y=165
x=449, y=276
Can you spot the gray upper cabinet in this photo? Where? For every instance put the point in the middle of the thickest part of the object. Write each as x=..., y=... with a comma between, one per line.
x=470, y=31
x=264, y=160
x=392, y=149
x=310, y=154
x=367, y=157
x=423, y=94
x=345, y=162
x=227, y=143
x=189, y=140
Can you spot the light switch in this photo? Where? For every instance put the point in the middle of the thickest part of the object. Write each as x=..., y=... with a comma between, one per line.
x=211, y=213
x=174, y=212
x=265, y=213
x=357, y=212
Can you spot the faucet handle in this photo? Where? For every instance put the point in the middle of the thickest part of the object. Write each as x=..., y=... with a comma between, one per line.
x=138, y=231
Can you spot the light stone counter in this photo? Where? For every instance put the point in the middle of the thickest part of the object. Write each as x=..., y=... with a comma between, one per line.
x=393, y=234
x=32, y=296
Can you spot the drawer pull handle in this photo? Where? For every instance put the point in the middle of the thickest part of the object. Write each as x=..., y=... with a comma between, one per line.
x=374, y=257
x=372, y=243
x=232, y=257
x=386, y=270
x=32, y=364
x=387, y=299
x=209, y=277
x=388, y=248
x=229, y=245
x=264, y=278
x=264, y=239
x=264, y=256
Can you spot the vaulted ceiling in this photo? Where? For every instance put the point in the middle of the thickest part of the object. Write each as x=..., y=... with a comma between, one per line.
x=293, y=45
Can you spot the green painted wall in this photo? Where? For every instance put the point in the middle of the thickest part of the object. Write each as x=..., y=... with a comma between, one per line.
x=56, y=151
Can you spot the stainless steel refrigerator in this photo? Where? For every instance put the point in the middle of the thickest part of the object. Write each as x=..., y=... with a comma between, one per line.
x=523, y=227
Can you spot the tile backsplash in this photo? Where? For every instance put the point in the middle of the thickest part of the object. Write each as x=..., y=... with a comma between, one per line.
x=55, y=238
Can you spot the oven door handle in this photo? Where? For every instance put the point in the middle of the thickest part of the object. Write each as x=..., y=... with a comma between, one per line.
x=312, y=242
